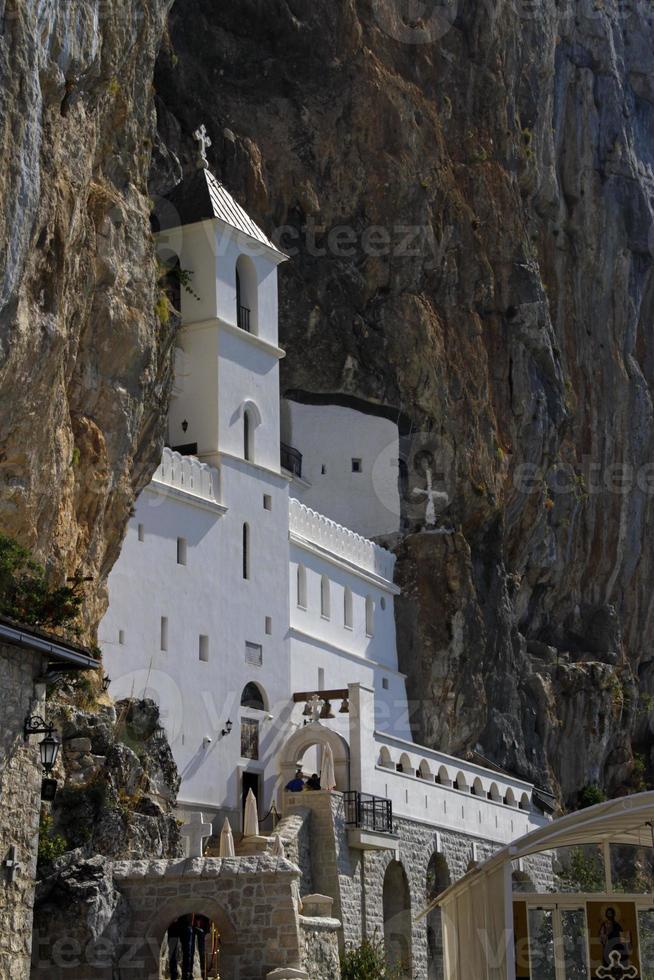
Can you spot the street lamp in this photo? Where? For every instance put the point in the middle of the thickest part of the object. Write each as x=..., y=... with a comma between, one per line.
x=49, y=747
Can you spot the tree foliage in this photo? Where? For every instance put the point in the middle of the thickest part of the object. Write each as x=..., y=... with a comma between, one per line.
x=26, y=596
x=367, y=962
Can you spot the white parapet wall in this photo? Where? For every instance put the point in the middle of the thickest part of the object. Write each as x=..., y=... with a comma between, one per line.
x=328, y=536
x=436, y=788
x=188, y=475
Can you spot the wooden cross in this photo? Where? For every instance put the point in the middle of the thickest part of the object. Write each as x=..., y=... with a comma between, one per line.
x=204, y=140
x=616, y=970
x=195, y=831
x=12, y=864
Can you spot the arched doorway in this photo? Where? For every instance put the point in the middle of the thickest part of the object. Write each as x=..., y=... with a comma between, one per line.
x=438, y=879
x=306, y=745
x=203, y=925
x=397, y=919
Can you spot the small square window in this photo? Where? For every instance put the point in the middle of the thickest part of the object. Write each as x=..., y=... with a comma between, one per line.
x=141, y=532
x=268, y=625
x=254, y=654
x=385, y=683
x=267, y=501
x=181, y=551
x=121, y=637
x=356, y=465
x=203, y=648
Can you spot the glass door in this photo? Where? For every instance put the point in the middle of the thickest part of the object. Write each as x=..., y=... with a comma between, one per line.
x=542, y=962
x=574, y=943
x=558, y=943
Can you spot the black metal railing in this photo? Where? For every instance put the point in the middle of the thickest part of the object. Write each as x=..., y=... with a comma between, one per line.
x=368, y=812
x=243, y=318
x=291, y=459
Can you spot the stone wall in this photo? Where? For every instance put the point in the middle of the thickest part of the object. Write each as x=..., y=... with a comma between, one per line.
x=320, y=957
x=355, y=879
x=254, y=901
x=20, y=795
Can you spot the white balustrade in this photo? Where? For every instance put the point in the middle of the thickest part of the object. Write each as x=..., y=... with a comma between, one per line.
x=339, y=540
x=187, y=473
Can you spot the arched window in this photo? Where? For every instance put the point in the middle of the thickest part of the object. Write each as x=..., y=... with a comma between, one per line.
x=246, y=294
x=347, y=607
x=252, y=697
x=325, y=597
x=246, y=551
x=370, y=616
x=478, y=787
x=302, y=587
x=248, y=435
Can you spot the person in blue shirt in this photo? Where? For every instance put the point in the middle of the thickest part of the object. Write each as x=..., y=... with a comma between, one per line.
x=296, y=785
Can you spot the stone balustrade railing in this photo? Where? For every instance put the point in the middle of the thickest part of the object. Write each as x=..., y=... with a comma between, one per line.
x=435, y=767
x=188, y=474
x=340, y=540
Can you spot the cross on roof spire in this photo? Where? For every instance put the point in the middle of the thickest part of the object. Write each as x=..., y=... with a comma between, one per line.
x=204, y=140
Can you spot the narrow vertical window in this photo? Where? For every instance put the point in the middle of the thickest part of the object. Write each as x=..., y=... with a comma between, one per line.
x=121, y=637
x=163, y=640
x=267, y=501
x=248, y=435
x=203, y=648
x=347, y=608
x=141, y=532
x=324, y=597
x=321, y=678
x=268, y=625
x=370, y=616
x=246, y=551
x=302, y=587
x=181, y=551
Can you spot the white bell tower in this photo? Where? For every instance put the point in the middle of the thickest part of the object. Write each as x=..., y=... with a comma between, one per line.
x=227, y=401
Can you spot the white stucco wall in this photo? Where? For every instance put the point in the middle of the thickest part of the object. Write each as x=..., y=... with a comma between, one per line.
x=206, y=596
x=331, y=436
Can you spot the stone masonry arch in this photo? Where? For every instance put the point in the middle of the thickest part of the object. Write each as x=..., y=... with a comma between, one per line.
x=307, y=737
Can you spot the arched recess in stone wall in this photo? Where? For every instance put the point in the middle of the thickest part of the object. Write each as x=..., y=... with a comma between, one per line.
x=397, y=920
x=438, y=879
x=305, y=738
x=168, y=911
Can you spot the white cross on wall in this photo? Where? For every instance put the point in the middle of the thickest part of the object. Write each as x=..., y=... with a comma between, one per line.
x=195, y=831
x=616, y=971
x=433, y=497
x=204, y=140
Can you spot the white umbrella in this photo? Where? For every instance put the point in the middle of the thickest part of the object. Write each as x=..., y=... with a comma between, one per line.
x=278, y=847
x=227, y=841
x=251, y=818
x=327, y=777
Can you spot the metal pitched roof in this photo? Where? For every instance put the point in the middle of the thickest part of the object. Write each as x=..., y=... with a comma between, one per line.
x=202, y=197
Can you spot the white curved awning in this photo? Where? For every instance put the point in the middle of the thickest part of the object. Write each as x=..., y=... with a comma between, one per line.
x=626, y=820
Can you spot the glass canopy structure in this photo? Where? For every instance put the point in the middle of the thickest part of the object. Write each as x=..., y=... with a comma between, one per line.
x=570, y=901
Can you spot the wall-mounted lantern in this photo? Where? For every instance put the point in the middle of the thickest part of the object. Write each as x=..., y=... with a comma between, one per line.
x=49, y=747
x=228, y=728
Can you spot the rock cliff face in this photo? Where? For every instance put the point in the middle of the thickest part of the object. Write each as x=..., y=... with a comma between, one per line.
x=505, y=151
x=83, y=363
x=492, y=166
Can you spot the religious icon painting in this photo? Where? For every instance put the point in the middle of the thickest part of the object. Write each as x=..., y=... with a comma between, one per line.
x=613, y=938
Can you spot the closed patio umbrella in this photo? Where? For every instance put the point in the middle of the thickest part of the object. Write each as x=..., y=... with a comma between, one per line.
x=327, y=776
x=227, y=841
x=251, y=817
